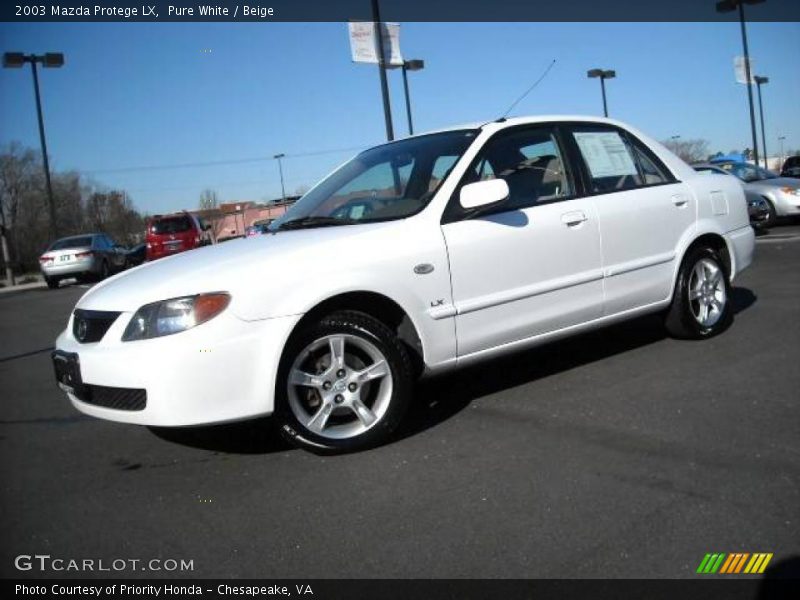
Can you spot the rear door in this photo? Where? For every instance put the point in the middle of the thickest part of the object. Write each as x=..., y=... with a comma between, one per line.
x=533, y=265
x=643, y=212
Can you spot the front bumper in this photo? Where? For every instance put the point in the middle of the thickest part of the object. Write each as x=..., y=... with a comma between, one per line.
x=787, y=204
x=222, y=370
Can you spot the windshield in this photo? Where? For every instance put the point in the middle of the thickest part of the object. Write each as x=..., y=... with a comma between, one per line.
x=749, y=173
x=392, y=181
x=73, y=242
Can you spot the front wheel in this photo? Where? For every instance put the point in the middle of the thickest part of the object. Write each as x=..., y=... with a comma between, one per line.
x=701, y=302
x=344, y=384
x=772, y=215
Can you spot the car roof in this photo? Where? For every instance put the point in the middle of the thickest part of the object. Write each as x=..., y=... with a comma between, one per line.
x=79, y=235
x=502, y=123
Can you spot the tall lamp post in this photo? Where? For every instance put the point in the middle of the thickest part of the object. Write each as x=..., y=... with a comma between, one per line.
x=387, y=107
x=50, y=60
x=780, y=139
x=603, y=75
x=410, y=65
x=726, y=6
x=278, y=157
x=759, y=81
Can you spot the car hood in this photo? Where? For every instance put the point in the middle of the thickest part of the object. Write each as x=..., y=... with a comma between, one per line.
x=778, y=182
x=272, y=260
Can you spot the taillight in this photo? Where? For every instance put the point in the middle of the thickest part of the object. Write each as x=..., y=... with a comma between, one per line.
x=83, y=254
x=45, y=259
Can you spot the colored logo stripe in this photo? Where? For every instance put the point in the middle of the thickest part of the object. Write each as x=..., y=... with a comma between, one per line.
x=734, y=563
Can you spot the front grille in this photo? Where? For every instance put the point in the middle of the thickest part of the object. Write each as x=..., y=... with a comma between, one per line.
x=91, y=325
x=114, y=397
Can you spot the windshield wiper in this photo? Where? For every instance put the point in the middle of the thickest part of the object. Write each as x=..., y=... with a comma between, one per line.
x=308, y=222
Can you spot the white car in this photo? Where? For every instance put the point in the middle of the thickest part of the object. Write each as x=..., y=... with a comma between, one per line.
x=414, y=257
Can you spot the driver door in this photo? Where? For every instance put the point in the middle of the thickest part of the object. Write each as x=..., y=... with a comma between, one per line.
x=533, y=265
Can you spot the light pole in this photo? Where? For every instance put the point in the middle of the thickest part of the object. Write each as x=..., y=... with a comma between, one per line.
x=780, y=139
x=726, y=6
x=603, y=75
x=410, y=65
x=278, y=157
x=387, y=107
x=760, y=80
x=50, y=60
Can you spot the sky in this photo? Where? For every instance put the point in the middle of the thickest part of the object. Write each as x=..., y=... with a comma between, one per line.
x=137, y=95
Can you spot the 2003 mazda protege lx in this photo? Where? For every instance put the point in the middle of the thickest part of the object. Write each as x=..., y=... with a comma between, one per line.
x=414, y=257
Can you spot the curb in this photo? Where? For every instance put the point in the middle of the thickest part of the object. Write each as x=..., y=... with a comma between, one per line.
x=23, y=287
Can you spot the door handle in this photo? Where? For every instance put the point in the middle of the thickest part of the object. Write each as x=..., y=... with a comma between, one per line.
x=571, y=219
x=680, y=200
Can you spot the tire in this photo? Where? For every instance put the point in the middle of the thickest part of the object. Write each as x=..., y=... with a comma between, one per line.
x=701, y=303
x=51, y=282
x=772, y=217
x=104, y=271
x=334, y=409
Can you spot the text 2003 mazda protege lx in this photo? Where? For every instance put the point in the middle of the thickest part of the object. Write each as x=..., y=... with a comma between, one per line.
x=416, y=256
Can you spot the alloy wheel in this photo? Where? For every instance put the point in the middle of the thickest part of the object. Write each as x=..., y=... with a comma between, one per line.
x=707, y=295
x=339, y=386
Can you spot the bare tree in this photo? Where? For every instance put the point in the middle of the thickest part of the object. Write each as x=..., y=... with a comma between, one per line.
x=690, y=150
x=80, y=207
x=208, y=199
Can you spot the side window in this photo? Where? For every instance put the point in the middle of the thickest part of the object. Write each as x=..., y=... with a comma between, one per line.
x=652, y=172
x=609, y=160
x=531, y=163
x=100, y=242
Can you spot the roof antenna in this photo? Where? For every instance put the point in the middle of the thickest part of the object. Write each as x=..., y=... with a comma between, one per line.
x=528, y=91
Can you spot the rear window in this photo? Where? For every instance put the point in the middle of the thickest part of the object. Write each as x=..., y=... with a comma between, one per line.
x=75, y=242
x=171, y=225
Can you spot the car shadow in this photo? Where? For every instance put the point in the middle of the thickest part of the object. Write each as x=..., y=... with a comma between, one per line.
x=742, y=298
x=775, y=582
x=440, y=398
x=254, y=436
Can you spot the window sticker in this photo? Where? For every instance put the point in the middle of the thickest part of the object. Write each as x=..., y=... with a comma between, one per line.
x=606, y=154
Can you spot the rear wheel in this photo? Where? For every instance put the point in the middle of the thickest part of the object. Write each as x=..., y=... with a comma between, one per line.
x=52, y=282
x=344, y=384
x=701, y=301
x=104, y=270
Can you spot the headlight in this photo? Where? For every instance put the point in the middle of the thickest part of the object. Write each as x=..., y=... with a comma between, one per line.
x=174, y=315
x=791, y=191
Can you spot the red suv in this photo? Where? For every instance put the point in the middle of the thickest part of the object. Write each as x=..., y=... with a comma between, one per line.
x=170, y=234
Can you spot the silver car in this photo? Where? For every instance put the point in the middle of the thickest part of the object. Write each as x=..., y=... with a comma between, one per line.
x=93, y=255
x=782, y=194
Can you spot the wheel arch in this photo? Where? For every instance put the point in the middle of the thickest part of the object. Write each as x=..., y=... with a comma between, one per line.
x=378, y=306
x=710, y=239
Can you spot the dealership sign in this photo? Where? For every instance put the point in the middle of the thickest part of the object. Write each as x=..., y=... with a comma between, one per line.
x=364, y=43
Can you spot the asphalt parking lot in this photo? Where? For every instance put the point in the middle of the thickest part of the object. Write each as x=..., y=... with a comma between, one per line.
x=620, y=453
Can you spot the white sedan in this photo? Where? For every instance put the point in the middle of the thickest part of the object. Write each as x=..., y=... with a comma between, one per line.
x=415, y=257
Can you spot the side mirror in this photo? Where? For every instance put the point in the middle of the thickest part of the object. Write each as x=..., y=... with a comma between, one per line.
x=483, y=193
x=206, y=226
